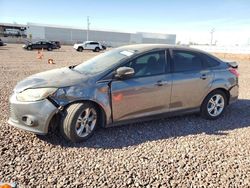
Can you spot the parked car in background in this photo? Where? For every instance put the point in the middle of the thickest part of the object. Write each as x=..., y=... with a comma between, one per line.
x=2, y=43
x=57, y=43
x=40, y=45
x=104, y=47
x=123, y=85
x=89, y=45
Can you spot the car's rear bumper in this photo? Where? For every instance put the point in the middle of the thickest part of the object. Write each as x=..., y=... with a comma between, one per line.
x=234, y=93
x=31, y=116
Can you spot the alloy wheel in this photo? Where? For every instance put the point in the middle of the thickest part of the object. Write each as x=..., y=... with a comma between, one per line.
x=86, y=122
x=216, y=105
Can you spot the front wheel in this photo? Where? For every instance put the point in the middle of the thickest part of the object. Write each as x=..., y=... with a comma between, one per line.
x=214, y=105
x=79, y=122
x=80, y=49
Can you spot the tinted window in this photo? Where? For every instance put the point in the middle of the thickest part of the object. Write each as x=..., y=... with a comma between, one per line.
x=210, y=62
x=186, y=61
x=95, y=43
x=149, y=64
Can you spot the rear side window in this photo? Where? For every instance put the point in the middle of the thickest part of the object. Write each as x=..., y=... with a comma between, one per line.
x=210, y=61
x=186, y=61
x=94, y=43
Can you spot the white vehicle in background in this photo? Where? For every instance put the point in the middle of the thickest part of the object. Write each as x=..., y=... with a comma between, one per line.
x=89, y=45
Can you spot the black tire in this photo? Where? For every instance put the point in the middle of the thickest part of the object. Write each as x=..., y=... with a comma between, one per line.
x=205, y=105
x=69, y=123
x=80, y=49
x=29, y=48
x=97, y=49
x=49, y=48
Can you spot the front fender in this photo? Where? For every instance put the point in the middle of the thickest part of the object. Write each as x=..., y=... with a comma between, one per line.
x=98, y=93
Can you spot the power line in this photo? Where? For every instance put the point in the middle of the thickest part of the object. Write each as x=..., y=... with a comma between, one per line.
x=212, y=33
x=88, y=23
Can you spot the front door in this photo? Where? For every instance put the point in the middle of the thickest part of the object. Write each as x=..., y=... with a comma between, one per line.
x=37, y=45
x=44, y=45
x=87, y=46
x=147, y=92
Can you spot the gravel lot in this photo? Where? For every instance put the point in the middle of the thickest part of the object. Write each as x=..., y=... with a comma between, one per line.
x=185, y=151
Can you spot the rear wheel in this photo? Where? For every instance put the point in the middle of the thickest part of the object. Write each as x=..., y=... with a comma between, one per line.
x=214, y=105
x=80, y=122
x=29, y=48
x=49, y=48
x=97, y=49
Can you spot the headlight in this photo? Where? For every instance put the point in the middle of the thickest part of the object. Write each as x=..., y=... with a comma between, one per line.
x=30, y=95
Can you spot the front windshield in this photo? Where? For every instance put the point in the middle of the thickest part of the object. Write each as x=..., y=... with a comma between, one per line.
x=103, y=62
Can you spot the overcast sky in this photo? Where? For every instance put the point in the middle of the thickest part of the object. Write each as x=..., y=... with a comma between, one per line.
x=191, y=20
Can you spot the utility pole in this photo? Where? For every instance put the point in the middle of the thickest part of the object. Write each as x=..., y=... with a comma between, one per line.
x=212, y=33
x=88, y=23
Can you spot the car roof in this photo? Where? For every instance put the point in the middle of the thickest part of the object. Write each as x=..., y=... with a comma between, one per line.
x=90, y=41
x=41, y=41
x=147, y=47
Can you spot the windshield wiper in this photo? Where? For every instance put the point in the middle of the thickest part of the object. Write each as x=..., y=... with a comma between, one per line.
x=72, y=66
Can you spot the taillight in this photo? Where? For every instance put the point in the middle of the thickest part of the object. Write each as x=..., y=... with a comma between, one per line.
x=234, y=71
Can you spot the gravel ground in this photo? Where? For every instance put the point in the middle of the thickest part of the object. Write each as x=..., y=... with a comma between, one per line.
x=185, y=151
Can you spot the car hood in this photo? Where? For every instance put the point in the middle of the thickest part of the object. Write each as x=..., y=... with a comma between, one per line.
x=62, y=77
x=79, y=44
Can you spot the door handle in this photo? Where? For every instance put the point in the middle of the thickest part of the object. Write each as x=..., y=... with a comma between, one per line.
x=203, y=77
x=161, y=83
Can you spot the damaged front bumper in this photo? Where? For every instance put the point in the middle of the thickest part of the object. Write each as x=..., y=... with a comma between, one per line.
x=31, y=116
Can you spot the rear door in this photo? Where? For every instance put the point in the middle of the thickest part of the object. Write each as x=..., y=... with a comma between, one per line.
x=44, y=45
x=147, y=92
x=191, y=80
x=93, y=45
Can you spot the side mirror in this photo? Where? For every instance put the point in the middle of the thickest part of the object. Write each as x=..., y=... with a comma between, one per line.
x=124, y=72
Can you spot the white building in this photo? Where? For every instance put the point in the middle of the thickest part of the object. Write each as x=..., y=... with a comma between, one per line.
x=67, y=35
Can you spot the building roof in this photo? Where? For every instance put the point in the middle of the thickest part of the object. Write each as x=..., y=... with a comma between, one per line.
x=12, y=25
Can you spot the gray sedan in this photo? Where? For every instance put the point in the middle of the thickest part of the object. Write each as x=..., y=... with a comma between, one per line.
x=122, y=85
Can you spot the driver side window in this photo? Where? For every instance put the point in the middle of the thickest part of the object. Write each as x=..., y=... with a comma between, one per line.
x=152, y=63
